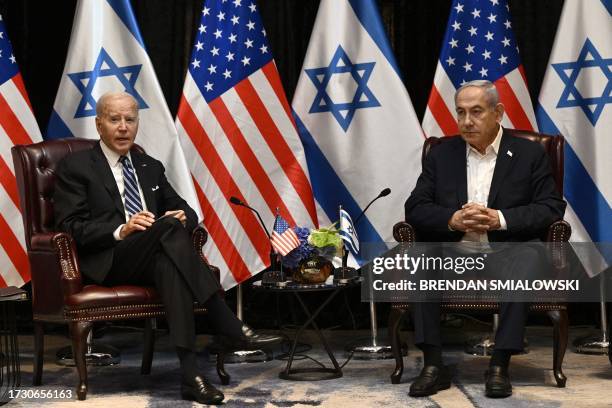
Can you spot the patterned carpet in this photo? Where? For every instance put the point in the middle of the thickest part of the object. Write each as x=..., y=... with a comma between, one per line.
x=364, y=384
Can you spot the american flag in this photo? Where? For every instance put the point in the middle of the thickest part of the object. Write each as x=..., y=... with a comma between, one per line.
x=239, y=138
x=478, y=44
x=17, y=126
x=284, y=239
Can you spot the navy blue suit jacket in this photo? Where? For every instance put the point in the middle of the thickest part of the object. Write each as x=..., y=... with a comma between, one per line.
x=88, y=206
x=523, y=188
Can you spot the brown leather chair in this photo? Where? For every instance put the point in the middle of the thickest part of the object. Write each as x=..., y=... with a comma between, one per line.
x=59, y=293
x=559, y=231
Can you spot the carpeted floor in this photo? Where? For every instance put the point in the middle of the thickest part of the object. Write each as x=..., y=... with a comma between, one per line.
x=364, y=384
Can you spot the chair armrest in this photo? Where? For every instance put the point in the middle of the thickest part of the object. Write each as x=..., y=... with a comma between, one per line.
x=558, y=231
x=55, y=273
x=64, y=248
x=557, y=237
x=404, y=232
x=199, y=237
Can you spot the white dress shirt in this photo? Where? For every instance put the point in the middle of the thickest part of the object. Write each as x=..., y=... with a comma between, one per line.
x=480, y=168
x=117, y=170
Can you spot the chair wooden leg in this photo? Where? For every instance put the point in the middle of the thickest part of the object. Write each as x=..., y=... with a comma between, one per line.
x=395, y=318
x=224, y=376
x=149, y=345
x=560, y=322
x=78, y=335
x=39, y=349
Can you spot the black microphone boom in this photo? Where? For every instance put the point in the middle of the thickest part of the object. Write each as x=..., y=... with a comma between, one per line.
x=237, y=201
x=383, y=193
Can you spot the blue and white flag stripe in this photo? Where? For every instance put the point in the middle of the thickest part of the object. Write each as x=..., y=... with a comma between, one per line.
x=575, y=101
x=107, y=53
x=355, y=119
x=348, y=233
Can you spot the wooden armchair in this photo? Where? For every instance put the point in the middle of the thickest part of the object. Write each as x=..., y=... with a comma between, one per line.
x=59, y=294
x=559, y=231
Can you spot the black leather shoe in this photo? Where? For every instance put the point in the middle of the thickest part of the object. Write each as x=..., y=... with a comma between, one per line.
x=431, y=380
x=497, y=383
x=199, y=389
x=253, y=340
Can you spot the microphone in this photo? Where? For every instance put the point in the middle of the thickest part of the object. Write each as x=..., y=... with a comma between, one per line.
x=237, y=201
x=382, y=194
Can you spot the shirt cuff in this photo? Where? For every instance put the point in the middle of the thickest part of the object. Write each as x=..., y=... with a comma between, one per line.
x=502, y=221
x=116, y=233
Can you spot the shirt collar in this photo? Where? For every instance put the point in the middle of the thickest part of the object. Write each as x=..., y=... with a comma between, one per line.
x=493, y=147
x=111, y=156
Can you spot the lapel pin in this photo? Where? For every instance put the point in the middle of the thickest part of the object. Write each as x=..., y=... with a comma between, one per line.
x=509, y=153
x=155, y=188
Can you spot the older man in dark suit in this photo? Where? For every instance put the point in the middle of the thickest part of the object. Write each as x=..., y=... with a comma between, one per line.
x=485, y=186
x=131, y=227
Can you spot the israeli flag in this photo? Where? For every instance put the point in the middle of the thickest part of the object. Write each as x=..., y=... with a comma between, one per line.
x=576, y=101
x=107, y=53
x=348, y=232
x=356, y=120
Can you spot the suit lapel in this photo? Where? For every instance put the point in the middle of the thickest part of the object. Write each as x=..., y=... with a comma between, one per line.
x=101, y=168
x=145, y=181
x=460, y=171
x=506, y=157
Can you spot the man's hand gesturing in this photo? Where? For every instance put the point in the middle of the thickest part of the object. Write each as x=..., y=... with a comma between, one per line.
x=138, y=222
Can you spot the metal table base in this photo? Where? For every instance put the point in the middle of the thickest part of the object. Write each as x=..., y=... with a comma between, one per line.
x=318, y=373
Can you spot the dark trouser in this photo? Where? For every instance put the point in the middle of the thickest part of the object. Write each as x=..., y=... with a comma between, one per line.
x=163, y=257
x=522, y=262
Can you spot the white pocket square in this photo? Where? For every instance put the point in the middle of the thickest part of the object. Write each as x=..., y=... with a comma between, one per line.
x=155, y=188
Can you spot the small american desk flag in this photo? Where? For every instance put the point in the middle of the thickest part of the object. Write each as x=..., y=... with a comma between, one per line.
x=478, y=44
x=237, y=132
x=17, y=126
x=284, y=239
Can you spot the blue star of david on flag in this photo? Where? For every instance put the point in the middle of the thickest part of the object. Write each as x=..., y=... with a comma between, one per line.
x=363, y=98
x=104, y=67
x=570, y=71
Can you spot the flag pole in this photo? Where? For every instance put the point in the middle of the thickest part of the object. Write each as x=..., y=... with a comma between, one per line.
x=275, y=276
x=344, y=274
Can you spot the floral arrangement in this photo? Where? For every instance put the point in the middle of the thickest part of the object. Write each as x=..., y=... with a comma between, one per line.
x=324, y=242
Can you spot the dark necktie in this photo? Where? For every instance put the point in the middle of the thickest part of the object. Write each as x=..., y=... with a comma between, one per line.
x=131, y=194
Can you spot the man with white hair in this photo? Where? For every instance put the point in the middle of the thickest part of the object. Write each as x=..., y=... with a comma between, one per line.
x=131, y=227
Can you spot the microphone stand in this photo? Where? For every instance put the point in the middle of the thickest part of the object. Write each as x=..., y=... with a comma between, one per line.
x=247, y=356
x=600, y=343
x=275, y=276
x=372, y=347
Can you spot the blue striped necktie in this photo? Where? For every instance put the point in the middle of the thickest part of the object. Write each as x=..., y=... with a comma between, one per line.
x=131, y=194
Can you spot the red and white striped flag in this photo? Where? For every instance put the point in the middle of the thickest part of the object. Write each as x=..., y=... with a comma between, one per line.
x=239, y=138
x=478, y=44
x=17, y=126
x=284, y=239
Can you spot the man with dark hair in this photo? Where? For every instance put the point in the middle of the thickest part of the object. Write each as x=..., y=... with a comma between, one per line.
x=485, y=186
x=131, y=227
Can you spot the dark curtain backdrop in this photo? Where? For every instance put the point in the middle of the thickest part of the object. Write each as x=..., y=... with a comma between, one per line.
x=40, y=32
